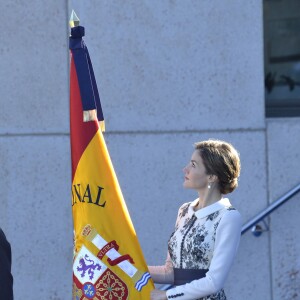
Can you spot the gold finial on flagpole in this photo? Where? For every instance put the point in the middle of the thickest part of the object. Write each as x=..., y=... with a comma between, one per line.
x=74, y=20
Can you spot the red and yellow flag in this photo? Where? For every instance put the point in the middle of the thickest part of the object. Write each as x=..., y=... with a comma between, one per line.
x=108, y=261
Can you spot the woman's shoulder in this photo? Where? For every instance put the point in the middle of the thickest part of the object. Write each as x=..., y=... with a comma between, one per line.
x=231, y=216
x=185, y=206
x=230, y=210
x=183, y=209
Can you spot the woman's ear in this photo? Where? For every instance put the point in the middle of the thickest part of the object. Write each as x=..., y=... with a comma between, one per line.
x=213, y=178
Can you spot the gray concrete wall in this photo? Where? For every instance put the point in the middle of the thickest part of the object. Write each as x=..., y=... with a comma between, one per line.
x=34, y=147
x=170, y=73
x=283, y=167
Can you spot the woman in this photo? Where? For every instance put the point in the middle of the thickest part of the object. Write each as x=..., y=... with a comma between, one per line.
x=207, y=231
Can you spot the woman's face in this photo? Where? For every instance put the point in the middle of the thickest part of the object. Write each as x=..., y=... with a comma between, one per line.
x=195, y=176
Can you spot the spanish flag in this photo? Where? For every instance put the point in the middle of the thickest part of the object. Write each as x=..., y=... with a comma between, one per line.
x=108, y=261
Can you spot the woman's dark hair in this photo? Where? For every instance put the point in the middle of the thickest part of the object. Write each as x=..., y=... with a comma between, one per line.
x=221, y=159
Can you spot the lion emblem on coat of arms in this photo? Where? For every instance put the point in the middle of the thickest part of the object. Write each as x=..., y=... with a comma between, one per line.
x=87, y=265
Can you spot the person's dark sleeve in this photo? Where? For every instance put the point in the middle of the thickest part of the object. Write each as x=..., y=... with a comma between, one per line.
x=6, y=279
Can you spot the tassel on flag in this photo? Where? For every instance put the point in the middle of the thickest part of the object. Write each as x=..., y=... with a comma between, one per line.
x=108, y=261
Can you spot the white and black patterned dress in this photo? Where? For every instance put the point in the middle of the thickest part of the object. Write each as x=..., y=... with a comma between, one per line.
x=204, y=239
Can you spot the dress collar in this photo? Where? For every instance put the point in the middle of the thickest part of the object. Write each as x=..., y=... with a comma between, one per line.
x=205, y=211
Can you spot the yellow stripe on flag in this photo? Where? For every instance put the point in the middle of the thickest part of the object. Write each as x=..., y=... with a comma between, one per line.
x=104, y=235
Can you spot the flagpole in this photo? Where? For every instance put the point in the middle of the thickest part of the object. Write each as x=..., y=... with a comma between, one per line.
x=108, y=260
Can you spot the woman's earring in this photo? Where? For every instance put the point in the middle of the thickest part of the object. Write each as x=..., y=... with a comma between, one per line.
x=209, y=186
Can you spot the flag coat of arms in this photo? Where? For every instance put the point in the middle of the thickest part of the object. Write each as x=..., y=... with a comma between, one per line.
x=108, y=261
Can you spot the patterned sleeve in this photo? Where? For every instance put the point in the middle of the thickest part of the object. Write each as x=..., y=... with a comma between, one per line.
x=227, y=240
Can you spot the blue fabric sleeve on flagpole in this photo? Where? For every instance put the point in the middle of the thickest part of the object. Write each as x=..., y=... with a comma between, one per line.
x=86, y=79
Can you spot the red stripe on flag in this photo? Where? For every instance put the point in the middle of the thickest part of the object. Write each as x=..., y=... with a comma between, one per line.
x=81, y=132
